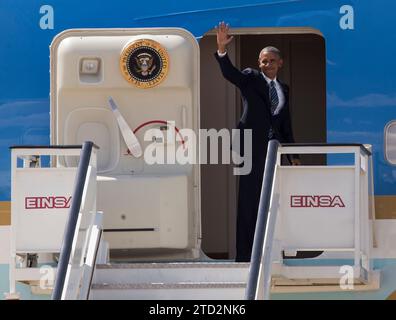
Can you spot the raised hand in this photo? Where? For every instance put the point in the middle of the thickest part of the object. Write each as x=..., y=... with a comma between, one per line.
x=223, y=38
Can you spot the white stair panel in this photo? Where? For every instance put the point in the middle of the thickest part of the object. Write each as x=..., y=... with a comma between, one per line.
x=171, y=272
x=170, y=291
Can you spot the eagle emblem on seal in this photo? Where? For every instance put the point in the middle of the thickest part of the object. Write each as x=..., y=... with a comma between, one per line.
x=144, y=63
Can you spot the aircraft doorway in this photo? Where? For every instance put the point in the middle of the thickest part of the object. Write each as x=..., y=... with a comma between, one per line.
x=303, y=70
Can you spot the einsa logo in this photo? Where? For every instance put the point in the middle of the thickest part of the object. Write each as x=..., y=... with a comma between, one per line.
x=323, y=201
x=47, y=202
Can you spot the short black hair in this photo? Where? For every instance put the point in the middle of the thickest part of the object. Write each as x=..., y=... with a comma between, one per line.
x=271, y=49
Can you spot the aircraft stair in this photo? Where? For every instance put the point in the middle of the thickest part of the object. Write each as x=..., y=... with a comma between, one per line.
x=175, y=281
x=335, y=230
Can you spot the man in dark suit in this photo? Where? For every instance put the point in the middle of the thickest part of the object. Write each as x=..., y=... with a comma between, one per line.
x=266, y=112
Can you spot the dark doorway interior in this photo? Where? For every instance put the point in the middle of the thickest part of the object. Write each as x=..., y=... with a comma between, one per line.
x=304, y=71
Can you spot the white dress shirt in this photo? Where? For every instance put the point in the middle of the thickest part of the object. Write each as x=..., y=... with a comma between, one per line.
x=221, y=55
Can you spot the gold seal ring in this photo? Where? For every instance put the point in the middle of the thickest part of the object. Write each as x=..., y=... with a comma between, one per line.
x=144, y=63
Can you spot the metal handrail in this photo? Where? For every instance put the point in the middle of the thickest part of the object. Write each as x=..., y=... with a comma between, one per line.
x=260, y=267
x=261, y=223
x=362, y=147
x=72, y=220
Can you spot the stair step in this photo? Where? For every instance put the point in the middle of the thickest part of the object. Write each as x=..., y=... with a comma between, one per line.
x=173, y=265
x=169, y=291
x=171, y=272
x=179, y=285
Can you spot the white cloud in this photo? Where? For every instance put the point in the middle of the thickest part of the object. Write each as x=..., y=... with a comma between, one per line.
x=26, y=121
x=22, y=103
x=364, y=136
x=368, y=100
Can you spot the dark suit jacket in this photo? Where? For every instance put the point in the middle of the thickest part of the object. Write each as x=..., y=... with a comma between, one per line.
x=257, y=106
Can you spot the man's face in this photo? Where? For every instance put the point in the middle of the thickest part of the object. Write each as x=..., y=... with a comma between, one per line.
x=270, y=63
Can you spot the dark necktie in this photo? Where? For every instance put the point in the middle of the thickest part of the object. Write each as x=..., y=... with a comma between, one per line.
x=274, y=97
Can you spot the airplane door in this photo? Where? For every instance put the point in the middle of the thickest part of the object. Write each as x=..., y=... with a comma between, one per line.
x=133, y=92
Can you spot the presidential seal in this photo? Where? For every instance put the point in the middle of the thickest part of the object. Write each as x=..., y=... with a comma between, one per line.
x=144, y=63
